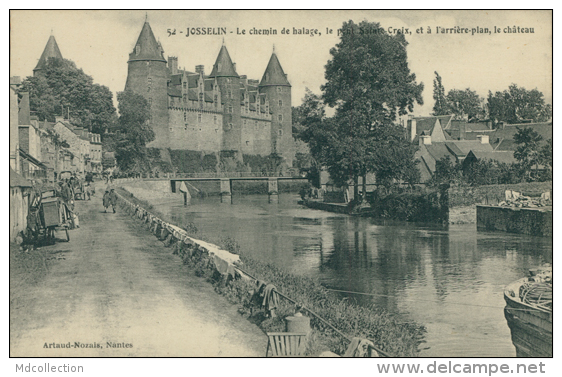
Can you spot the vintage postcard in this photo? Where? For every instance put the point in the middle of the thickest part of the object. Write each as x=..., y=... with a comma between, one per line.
x=252, y=183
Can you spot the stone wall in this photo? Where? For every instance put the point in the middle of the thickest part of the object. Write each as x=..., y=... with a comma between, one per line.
x=463, y=200
x=531, y=221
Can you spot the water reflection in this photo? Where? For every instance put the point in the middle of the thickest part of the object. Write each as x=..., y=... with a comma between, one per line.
x=449, y=279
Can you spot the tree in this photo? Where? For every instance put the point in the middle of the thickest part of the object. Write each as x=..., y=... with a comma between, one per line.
x=465, y=104
x=64, y=89
x=516, y=105
x=132, y=132
x=446, y=172
x=546, y=159
x=441, y=106
x=369, y=84
x=528, y=152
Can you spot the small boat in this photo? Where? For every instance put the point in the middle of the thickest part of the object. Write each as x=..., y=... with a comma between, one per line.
x=528, y=312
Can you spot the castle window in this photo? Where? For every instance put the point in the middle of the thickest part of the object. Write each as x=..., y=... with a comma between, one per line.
x=137, y=49
x=245, y=121
x=229, y=94
x=280, y=132
x=199, y=118
x=280, y=117
x=200, y=96
x=280, y=102
x=216, y=100
x=215, y=119
x=230, y=110
x=247, y=142
x=185, y=116
x=149, y=80
x=279, y=89
x=184, y=85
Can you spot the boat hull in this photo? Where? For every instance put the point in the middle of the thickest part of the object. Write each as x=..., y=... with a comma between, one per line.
x=531, y=327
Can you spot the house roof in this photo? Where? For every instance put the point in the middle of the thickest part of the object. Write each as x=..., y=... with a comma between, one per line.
x=33, y=160
x=428, y=125
x=501, y=156
x=51, y=51
x=274, y=74
x=465, y=146
x=17, y=180
x=502, y=138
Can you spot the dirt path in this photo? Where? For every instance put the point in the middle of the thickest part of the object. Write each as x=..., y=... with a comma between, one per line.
x=118, y=284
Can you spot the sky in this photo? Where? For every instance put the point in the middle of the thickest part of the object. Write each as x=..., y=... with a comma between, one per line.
x=99, y=42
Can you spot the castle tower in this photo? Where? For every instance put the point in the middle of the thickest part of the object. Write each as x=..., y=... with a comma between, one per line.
x=224, y=72
x=275, y=85
x=147, y=75
x=51, y=51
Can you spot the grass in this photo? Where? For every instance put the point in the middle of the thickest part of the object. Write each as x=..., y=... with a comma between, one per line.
x=27, y=268
x=396, y=339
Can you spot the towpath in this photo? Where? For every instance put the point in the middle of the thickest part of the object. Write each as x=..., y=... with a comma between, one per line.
x=115, y=282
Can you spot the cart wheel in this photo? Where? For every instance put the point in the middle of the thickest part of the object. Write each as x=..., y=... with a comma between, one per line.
x=67, y=235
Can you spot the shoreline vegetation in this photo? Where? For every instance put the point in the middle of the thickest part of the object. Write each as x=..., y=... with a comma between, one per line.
x=395, y=338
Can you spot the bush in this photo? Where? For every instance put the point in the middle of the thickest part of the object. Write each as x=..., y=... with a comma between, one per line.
x=422, y=206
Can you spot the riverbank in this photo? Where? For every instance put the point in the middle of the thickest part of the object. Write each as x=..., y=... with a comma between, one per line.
x=114, y=283
x=392, y=337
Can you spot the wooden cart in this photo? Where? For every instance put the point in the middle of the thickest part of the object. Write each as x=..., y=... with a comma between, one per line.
x=54, y=216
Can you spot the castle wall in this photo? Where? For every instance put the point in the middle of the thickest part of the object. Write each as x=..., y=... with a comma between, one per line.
x=197, y=131
x=256, y=134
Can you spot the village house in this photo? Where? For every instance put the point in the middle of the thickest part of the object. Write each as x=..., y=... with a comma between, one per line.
x=443, y=136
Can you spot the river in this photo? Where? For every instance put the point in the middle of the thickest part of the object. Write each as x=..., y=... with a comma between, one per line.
x=448, y=279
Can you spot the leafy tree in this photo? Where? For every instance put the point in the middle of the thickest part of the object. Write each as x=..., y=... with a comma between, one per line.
x=62, y=89
x=446, y=171
x=516, y=105
x=369, y=84
x=441, y=106
x=528, y=152
x=546, y=160
x=132, y=132
x=465, y=104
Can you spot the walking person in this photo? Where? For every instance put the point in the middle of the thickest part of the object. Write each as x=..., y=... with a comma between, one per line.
x=113, y=199
x=106, y=200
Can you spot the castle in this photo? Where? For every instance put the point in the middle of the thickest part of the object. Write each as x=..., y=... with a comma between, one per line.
x=214, y=113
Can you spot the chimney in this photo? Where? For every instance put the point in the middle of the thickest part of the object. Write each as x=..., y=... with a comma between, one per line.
x=425, y=139
x=173, y=64
x=412, y=127
x=484, y=139
x=462, y=130
x=200, y=69
x=234, y=65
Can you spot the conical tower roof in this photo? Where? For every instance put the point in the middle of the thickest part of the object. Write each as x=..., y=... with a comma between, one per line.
x=223, y=66
x=147, y=48
x=274, y=74
x=51, y=51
